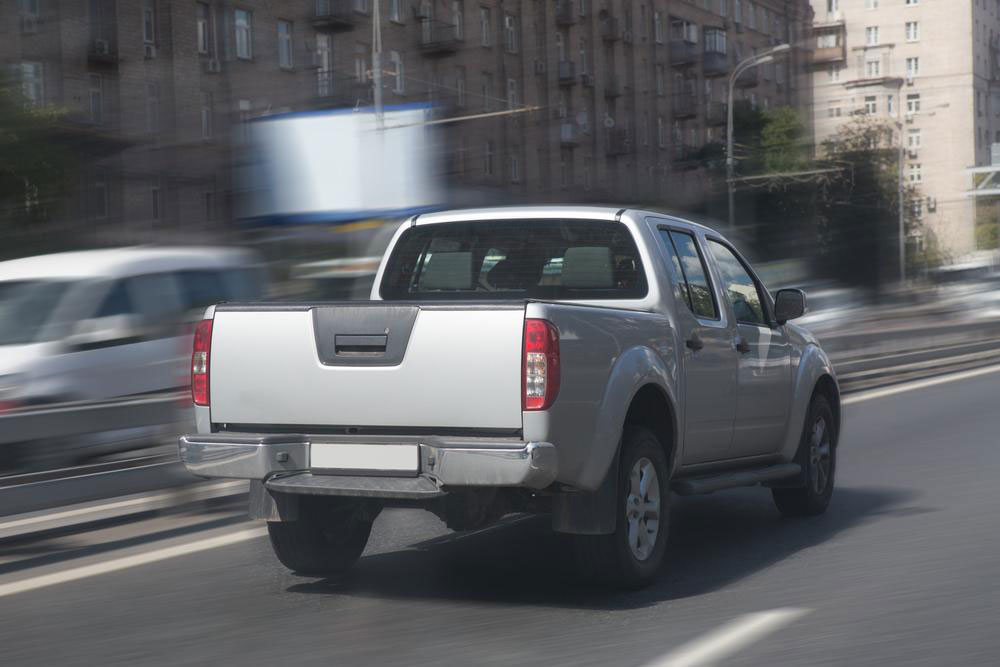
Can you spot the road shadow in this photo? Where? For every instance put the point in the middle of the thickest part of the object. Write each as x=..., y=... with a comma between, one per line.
x=715, y=540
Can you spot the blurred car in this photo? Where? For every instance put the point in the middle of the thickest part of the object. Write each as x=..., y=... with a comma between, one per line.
x=104, y=324
x=101, y=324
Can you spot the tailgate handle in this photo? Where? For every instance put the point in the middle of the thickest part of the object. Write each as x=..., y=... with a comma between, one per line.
x=360, y=344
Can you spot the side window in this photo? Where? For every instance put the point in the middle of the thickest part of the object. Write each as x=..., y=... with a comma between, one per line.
x=740, y=287
x=117, y=301
x=677, y=279
x=695, y=274
x=200, y=289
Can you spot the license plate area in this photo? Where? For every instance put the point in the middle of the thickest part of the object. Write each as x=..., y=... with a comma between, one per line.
x=389, y=460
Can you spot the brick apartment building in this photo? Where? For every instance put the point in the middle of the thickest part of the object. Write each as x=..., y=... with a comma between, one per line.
x=628, y=91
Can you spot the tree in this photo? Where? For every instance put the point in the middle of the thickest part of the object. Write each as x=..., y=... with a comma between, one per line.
x=35, y=167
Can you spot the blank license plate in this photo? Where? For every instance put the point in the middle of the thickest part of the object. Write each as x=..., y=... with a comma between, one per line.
x=366, y=458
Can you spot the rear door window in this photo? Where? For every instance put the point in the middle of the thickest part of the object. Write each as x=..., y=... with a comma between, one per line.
x=694, y=273
x=541, y=259
x=118, y=301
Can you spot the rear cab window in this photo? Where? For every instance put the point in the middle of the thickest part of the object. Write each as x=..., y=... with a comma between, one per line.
x=515, y=259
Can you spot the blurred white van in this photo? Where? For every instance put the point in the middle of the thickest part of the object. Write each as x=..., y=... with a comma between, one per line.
x=100, y=324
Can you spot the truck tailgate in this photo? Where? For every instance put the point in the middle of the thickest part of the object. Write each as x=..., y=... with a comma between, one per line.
x=374, y=364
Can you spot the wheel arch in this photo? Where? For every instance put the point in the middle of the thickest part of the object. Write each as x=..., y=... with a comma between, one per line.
x=651, y=407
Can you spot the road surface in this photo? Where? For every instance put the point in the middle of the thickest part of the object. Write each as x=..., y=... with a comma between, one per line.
x=903, y=569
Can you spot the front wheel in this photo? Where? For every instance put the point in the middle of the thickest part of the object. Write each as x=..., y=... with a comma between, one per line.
x=818, y=457
x=631, y=556
x=327, y=539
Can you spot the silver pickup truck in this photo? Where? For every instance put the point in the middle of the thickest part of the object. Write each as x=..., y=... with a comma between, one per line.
x=581, y=361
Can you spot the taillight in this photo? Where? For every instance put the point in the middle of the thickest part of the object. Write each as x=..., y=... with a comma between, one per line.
x=200, y=360
x=540, y=366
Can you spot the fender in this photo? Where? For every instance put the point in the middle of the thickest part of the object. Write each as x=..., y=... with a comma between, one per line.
x=635, y=368
x=812, y=365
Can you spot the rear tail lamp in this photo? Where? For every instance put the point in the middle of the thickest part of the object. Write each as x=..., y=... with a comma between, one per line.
x=540, y=366
x=201, y=362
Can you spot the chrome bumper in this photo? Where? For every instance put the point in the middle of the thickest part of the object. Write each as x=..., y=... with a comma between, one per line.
x=444, y=461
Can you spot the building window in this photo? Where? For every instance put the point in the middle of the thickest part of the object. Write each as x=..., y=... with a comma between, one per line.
x=916, y=173
x=154, y=201
x=511, y=93
x=715, y=40
x=360, y=6
x=458, y=18
x=871, y=4
x=515, y=166
x=206, y=115
x=912, y=3
x=912, y=31
x=32, y=83
x=485, y=26
x=244, y=34
x=737, y=11
x=324, y=66
x=285, y=44
x=487, y=91
x=510, y=33
x=833, y=110
x=460, y=85
x=398, y=73
x=914, y=139
x=871, y=35
x=243, y=107
x=658, y=27
x=96, y=86
x=148, y=22
x=890, y=105
x=873, y=68
x=396, y=11
x=204, y=28
x=488, y=156
x=584, y=67
x=661, y=132
x=912, y=67
x=913, y=103
x=152, y=107
x=659, y=79
x=871, y=104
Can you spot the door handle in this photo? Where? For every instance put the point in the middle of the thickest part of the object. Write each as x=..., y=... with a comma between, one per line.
x=694, y=343
x=742, y=346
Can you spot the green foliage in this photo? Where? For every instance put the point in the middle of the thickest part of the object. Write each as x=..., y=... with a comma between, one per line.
x=34, y=167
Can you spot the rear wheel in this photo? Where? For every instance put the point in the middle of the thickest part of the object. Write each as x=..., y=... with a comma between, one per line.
x=328, y=537
x=818, y=457
x=631, y=556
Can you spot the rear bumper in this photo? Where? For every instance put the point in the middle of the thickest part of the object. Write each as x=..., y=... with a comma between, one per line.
x=442, y=461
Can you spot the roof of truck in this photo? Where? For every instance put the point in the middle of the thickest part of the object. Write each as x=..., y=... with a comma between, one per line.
x=573, y=211
x=121, y=262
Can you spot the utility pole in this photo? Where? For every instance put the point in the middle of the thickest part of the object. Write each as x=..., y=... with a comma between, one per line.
x=377, y=65
x=752, y=61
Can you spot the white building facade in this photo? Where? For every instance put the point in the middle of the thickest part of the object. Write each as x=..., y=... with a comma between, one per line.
x=930, y=68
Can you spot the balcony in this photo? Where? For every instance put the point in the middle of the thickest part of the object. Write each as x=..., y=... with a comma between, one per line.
x=564, y=14
x=569, y=134
x=333, y=15
x=750, y=78
x=715, y=63
x=683, y=52
x=685, y=105
x=610, y=32
x=567, y=73
x=828, y=55
x=438, y=38
x=340, y=90
x=716, y=113
x=612, y=87
x=102, y=52
x=619, y=141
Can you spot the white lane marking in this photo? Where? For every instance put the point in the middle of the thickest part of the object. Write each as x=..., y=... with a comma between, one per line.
x=918, y=384
x=730, y=638
x=136, y=504
x=125, y=562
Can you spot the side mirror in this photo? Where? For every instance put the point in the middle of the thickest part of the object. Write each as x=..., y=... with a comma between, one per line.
x=102, y=332
x=789, y=304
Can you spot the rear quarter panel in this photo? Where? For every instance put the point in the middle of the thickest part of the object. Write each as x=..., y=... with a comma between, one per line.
x=607, y=355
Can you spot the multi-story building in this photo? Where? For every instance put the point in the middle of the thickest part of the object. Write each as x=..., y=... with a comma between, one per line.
x=930, y=68
x=610, y=99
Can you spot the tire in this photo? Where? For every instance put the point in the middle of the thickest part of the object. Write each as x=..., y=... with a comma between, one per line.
x=817, y=455
x=327, y=539
x=624, y=559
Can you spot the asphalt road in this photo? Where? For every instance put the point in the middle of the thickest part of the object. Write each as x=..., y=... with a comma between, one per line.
x=903, y=569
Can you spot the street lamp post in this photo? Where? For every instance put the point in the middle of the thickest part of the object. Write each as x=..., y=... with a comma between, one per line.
x=752, y=61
